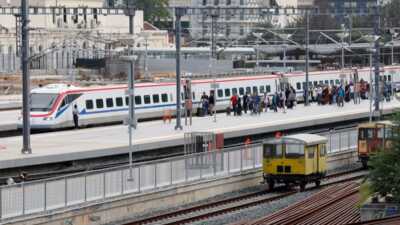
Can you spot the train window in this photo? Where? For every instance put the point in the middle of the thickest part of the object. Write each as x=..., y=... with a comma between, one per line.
x=164, y=97
x=255, y=90
x=273, y=151
x=72, y=97
x=268, y=88
x=262, y=90
x=248, y=90
x=388, y=133
x=321, y=82
x=370, y=133
x=304, y=85
x=234, y=91
x=241, y=91
x=337, y=81
x=193, y=95
x=109, y=103
x=89, y=104
x=294, y=151
x=220, y=93
x=379, y=133
x=119, y=102
x=138, y=100
x=315, y=83
x=156, y=98
x=326, y=81
x=311, y=151
x=298, y=86
x=99, y=103
x=146, y=99
x=331, y=82
x=63, y=103
x=361, y=134
x=322, y=150
x=227, y=92
x=389, y=77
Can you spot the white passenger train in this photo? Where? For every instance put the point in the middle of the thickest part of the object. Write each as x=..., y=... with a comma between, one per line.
x=52, y=105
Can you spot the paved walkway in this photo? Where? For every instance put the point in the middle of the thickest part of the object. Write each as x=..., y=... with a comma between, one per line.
x=97, y=142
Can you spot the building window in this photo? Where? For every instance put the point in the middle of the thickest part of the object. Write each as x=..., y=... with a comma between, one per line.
x=204, y=2
x=228, y=2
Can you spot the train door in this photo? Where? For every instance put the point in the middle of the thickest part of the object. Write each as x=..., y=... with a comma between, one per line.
x=312, y=159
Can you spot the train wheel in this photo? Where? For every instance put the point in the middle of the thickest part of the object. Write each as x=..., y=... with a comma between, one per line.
x=302, y=186
x=318, y=183
x=271, y=184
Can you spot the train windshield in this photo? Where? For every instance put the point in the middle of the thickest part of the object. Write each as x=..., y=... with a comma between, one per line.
x=42, y=102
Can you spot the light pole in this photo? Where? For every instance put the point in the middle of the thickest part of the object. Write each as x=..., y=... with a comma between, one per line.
x=26, y=128
x=131, y=119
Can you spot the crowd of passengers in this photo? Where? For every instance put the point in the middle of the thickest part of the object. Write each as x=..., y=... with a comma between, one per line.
x=321, y=94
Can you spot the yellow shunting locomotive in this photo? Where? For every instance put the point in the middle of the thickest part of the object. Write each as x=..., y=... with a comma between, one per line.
x=295, y=159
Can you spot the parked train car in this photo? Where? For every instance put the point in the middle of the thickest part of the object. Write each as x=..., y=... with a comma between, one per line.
x=373, y=137
x=295, y=159
x=52, y=105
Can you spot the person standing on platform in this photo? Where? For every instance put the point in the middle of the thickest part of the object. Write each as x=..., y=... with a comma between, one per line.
x=75, y=114
x=211, y=103
x=234, y=101
x=341, y=95
x=204, y=104
x=245, y=102
x=284, y=102
x=275, y=102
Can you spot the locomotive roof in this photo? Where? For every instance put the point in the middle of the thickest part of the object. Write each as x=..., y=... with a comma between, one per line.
x=307, y=139
x=373, y=124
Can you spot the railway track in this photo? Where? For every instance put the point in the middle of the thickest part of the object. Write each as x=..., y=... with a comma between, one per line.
x=209, y=210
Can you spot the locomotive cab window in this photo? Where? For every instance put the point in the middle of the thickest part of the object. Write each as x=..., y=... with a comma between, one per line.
x=322, y=150
x=248, y=90
x=298, y=86
x=272, y=151
x=294, y=151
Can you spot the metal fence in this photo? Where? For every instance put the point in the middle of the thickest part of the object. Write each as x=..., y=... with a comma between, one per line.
x=57, y=193
x=341, y=140
x=41, y=196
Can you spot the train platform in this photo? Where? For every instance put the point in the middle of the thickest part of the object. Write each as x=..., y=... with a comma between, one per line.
x=10, y=102
x=8, y=121
x=107, y=141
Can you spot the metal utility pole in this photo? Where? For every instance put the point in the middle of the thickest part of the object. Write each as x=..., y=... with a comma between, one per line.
x=307, y=57
x=376, y=62
x=179, y=12
x=132, y=122
x=26, y=129
x=213, y=55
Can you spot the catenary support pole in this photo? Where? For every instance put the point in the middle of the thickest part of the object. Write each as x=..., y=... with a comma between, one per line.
x=26, y=128
x=377, y=60
x=179, y=12
x=307, y=102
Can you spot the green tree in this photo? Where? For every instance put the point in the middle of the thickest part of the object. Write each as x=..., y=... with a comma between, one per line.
x=154, y=10
x=385, y=167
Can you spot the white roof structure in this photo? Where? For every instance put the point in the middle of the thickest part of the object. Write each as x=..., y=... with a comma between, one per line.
x=308, y=139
